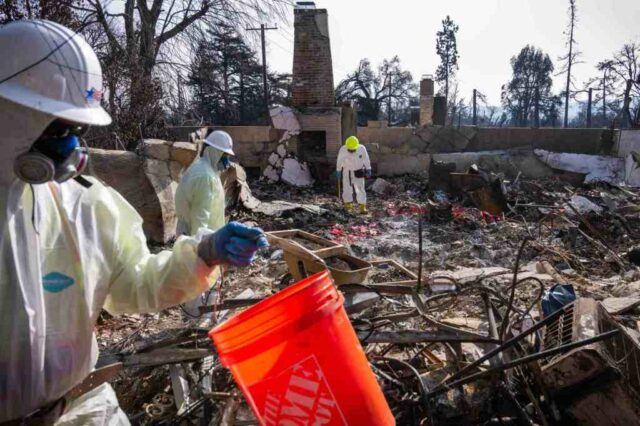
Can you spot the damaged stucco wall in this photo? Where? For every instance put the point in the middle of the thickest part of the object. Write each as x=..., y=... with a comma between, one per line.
x=252, y=144
x=397, y=150
x=473, y=139
x=628, y=142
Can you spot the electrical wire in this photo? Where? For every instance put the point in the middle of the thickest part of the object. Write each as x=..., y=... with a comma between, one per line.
x=424, y=392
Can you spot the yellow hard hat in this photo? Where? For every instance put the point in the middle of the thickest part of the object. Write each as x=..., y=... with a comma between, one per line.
x=352, y=143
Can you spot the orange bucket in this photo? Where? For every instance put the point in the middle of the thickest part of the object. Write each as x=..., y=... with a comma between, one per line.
x=298, y=361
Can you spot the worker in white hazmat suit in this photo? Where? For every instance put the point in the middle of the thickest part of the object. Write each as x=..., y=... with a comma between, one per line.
x=71, y=246
x=200, y=195
x=352, y=167
x=200, y=201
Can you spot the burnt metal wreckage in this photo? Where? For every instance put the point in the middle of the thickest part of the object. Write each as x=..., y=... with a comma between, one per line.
x=562, y=369
x=446, y=350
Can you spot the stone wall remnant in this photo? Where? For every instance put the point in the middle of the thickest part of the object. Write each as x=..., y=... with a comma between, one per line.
x=148, y=180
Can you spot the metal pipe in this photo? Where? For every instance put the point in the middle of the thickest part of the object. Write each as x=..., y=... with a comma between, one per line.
x=509, y=343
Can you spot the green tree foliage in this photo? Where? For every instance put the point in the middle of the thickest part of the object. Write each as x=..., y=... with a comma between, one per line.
x=379, y=94
x=226, y=80
x=530, y=85
x=447, y=49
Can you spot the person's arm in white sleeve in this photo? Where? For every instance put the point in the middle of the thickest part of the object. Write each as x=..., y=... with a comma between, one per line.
x=140, y=281
x=365, y=158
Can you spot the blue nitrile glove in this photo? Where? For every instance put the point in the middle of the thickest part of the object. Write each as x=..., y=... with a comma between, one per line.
x=234, y=244
x=338, y=174
x=368, y=173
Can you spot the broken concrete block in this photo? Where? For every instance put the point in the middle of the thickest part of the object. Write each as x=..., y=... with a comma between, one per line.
x=156, y=167
x=184, y=153
x=358, y=302
x=296, y=173
x=596, y=167
x=583, y=205
x=620, y=305
x=271, y=174
x=275, y=160
x=281, y=150
x=284, y=118
x=278, y=208
x=382, y=187
x=626, y=289
x=158, y=149
x=464, y=275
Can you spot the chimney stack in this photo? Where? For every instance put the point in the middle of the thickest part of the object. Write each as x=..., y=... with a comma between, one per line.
x=426, y=100
x=312, y=66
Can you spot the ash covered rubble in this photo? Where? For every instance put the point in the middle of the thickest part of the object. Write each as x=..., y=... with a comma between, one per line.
x=476, y=299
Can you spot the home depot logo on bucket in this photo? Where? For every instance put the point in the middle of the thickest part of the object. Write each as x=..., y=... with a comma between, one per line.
x=299, y=396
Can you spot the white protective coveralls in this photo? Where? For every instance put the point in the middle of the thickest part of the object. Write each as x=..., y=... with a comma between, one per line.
x=67, y=250
x=200, y=204
x=74, y=252
x=348, y=163
x=200, y=195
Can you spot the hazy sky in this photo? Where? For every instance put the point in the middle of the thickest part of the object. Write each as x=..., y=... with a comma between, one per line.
x=491, y=32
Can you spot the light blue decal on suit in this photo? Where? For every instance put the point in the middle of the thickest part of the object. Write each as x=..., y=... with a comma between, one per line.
x=55, y=282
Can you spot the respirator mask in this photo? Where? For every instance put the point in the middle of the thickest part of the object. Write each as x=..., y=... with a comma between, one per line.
x=56, y=156
x=225, y=161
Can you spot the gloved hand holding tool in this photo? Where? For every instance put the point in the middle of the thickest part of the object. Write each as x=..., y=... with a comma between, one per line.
x=368, y=173
x=234, y=244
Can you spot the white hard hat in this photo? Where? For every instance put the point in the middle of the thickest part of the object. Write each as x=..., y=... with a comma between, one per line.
x=49, y=68
x=220, y=140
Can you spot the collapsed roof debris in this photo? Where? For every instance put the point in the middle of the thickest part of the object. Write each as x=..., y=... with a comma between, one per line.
x=597, y=168
x=458, y=336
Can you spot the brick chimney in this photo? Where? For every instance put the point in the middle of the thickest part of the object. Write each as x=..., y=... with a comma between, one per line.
x=426, y=100
x=312, y=66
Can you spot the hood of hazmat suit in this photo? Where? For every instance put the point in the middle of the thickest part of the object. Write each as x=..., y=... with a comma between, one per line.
x=67, y=249
x=200, y=195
